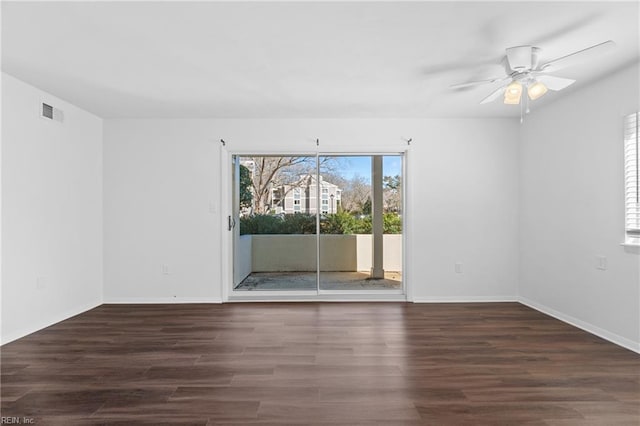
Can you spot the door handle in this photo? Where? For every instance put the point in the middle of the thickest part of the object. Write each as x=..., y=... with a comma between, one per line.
x=232, y=223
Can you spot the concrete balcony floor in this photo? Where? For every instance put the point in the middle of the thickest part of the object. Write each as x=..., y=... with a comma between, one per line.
x=328, y=281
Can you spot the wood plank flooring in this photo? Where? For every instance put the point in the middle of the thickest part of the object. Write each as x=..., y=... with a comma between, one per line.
x=319, y=363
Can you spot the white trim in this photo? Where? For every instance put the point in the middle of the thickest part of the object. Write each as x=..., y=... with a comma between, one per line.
x=299, y=294
x=42, y=324
x=312, y=153
x=318, y=298
x=226, y=237
x=466, y=299
x=588, y=327
x=406, y=228
x=318, y=231
x=631, y=166
x=160, y=300
x=324, y=292
x=631, y=245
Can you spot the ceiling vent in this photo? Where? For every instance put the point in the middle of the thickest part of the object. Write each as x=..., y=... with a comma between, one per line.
x=50, y=113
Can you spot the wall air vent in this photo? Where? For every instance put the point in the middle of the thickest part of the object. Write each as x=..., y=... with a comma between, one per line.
x=51, y=113
x=47, y=111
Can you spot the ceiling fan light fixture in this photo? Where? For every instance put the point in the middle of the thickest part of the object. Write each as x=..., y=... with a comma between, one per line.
x=536, y=90
x=513, y=93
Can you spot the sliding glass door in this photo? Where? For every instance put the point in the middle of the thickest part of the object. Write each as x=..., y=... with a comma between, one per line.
x=360, y=242
x=276, y=237
x=317, y=224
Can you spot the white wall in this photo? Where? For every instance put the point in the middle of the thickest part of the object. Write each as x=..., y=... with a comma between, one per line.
x=161, y=184
x=162, y=196
x=572, y=211
x=464, y=192
x=51, y=211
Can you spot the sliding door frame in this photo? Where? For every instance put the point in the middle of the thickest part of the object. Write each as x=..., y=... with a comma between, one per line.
x=228, y=247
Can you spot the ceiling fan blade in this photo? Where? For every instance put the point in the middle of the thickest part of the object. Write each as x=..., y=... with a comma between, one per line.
x=477, y=83
x=557, y=33
x=555, y=83
x=494, y=95
x=447, y=68
x=577, y=57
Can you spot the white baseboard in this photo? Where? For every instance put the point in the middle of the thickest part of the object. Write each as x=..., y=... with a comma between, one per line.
x=159, y=300
x=466, y=299
x=588, y=327
x=44, y=323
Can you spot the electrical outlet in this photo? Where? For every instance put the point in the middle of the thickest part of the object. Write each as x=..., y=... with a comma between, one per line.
x=164, y=269
x=458, y=267
x=601, y=263
x=41, y=283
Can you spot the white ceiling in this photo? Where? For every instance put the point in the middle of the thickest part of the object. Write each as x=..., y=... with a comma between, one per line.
x=298, y=59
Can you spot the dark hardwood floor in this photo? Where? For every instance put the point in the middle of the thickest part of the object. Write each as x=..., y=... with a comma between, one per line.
x=319, y=363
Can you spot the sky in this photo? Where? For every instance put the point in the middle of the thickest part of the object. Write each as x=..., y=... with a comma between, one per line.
x=351, y=166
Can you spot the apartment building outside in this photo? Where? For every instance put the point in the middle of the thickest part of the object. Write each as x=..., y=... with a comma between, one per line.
x=301, y=197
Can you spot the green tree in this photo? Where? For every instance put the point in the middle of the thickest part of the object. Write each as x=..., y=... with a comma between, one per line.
x=366, y=207
x=392, y=182
x=391, y=193
x=245, y=187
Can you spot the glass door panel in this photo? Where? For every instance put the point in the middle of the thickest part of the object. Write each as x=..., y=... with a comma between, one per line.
x=277, y=241
x=360, y=241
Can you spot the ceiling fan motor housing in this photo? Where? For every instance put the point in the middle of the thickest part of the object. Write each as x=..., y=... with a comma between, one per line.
x=522, y=58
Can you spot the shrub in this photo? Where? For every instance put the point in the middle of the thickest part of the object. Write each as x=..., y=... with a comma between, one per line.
x=363, y=225
x=338, y=223
x=392, y=223
x=302, y=223
x=298, y=223
x=260, y=224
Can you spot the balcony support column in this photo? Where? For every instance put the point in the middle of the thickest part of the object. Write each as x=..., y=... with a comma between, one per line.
x=377, y=223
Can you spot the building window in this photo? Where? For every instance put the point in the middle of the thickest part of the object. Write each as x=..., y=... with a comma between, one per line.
x=632, y=179
x=338, y=192
x=296, y=193
x=325, y=202
x=325, y=194
x=296, y=205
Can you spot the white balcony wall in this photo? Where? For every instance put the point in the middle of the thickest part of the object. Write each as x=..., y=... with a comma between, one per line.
x=288, y=253
x=243, y=266
x=391, y=252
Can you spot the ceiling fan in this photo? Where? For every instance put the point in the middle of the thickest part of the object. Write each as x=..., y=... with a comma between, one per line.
x=525, y=73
